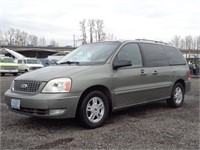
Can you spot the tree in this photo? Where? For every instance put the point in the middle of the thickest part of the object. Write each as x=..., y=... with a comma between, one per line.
x=198, y=42
x=100, y=34
x=53, y=42
x=188, y=42
x=42, y=41
x=182, y=44
x=24, y=36
x=83, y=31
x=176, y=41
x=10, y=34
x=1, y=38
x=17, y=37
x=91, y=24
x=33, y=40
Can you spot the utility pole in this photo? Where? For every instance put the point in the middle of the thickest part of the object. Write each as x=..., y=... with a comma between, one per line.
x=74, y=40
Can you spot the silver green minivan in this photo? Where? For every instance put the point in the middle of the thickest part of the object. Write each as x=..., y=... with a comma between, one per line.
x=99, y=78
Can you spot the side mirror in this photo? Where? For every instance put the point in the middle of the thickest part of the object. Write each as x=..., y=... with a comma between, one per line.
x=122, y=63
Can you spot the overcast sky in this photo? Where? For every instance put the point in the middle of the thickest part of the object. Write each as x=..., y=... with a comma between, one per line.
x=126, y=19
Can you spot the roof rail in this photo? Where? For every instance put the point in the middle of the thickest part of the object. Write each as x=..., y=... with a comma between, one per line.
x=146, y=40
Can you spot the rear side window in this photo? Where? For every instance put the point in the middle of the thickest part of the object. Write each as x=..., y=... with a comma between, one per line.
x=174, y=55
x=154, y=55
x=132, y=52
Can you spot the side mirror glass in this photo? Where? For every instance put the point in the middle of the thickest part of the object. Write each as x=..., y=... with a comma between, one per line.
x=122, y=63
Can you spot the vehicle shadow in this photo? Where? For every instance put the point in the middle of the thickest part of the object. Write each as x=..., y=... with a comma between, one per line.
x=140, y=111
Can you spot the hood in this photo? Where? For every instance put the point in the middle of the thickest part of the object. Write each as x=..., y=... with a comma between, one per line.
x=52, y=72
x=15, y=54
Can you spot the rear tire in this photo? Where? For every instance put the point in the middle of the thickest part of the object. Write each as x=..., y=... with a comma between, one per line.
x=177, y=96
x=93, y=110
x=2, y=74
x=15, y=74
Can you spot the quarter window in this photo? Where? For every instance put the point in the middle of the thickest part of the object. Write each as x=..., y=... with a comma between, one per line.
x=131, y=52
x=174, y=55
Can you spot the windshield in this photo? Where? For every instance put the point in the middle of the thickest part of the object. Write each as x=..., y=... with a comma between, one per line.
x=91, y=53
x=6, y=60
x=33, y=61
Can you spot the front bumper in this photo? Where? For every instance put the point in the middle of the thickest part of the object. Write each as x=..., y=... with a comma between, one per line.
x=9, y=71
x=40, y=104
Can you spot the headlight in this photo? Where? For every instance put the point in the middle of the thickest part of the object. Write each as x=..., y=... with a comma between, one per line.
x=58, y=85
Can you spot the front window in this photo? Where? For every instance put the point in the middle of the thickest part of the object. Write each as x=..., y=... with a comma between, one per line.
x=33, y=61
x=6, y=60
x=95, y=53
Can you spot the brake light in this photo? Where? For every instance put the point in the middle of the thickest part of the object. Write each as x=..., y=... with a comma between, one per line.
x=189, y=75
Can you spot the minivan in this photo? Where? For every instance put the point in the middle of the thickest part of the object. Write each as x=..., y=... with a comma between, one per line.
x=99, y=78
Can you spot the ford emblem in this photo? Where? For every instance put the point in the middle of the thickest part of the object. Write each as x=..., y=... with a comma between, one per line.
x=23, y=86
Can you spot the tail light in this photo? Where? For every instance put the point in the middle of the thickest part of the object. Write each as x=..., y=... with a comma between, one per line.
x=189, y=75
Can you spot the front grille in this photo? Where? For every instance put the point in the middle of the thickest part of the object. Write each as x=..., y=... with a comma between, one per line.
x=33, y=111
x=9, y=67
x=27, y=86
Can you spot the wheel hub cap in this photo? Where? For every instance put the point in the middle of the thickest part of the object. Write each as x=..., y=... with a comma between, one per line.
x=178, y=95
x=95, y=109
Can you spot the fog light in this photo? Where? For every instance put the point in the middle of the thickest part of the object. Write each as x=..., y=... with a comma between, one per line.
x=56, y=111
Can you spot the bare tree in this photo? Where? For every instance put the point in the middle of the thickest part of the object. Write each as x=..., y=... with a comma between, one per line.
x=42, y=41
x=17, y=37
x=198, y=42
x=24, y=36
x=33, y=40
x=53, y=42
x=100, y=34
x=182, y=44
x=176, y=41
x=110, y=37
x=188, y=42
x=91, y=24
x=10, y=34
x=83, y=31
x=1, y=38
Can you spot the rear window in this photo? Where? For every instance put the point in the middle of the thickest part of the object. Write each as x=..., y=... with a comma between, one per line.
x=154, y=55
x=174, y=55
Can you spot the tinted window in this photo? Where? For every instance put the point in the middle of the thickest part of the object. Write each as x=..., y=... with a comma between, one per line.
x=154, y=55
x=174, y=55
x=131, y=52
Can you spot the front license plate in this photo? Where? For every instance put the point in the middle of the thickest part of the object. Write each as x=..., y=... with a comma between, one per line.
x=15, y=103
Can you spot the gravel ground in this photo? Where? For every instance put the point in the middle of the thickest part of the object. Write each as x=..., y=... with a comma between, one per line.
x=153, y=126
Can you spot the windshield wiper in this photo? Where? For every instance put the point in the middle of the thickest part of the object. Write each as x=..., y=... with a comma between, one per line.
x=70, y=62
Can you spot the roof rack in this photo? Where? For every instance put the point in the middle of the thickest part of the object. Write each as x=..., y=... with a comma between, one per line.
x=146, y=40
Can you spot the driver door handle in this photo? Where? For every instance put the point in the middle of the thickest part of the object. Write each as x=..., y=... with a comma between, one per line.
x=142, y=72
x=155, y=72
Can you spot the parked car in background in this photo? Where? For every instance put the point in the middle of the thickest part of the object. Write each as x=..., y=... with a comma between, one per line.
x=99, y=78
x=47, y=62
x=58, y=56
x=7, y=66
x=28, y=64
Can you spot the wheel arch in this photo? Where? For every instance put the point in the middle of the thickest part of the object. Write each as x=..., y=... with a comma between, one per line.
x=101, y=88
x=181, y=81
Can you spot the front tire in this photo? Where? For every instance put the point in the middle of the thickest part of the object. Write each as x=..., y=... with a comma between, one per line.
x=177, y=96
x=94, y=109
